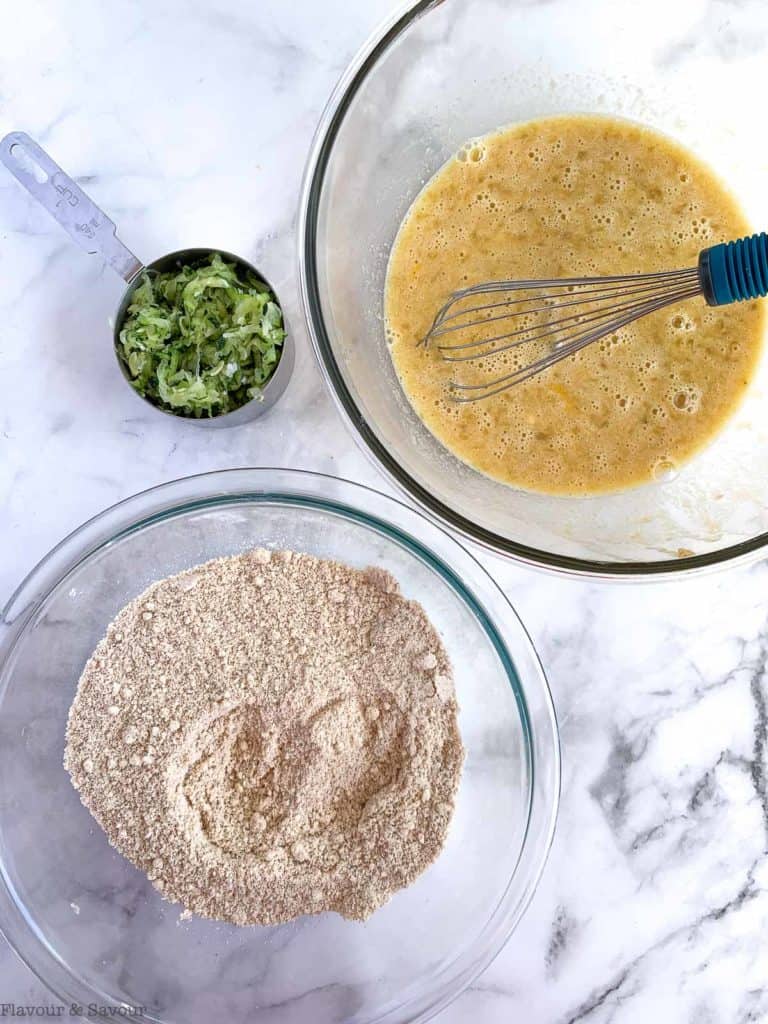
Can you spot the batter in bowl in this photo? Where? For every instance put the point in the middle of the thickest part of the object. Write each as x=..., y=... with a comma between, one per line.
x=562, y=197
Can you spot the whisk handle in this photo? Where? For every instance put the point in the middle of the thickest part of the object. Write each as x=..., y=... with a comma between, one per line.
x=734, y=271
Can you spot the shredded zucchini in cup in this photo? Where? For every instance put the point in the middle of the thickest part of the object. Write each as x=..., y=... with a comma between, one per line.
x=200, y=336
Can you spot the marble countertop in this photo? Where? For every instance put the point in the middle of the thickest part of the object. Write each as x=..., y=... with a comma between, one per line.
x=654, y=902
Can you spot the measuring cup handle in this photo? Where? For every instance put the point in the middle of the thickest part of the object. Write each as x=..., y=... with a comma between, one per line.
x=80, y=217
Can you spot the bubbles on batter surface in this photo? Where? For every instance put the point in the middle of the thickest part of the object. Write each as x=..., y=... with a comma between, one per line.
x=659, y=412
x=648, y=366
x=685, y=398
x=473, y=152
x=682, y=323
x=603, y=218
x=701, y=228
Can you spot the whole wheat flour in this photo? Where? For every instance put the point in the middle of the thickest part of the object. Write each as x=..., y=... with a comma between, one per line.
x=270, y=735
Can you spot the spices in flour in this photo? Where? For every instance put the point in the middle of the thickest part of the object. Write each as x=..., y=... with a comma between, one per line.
x=270, y=735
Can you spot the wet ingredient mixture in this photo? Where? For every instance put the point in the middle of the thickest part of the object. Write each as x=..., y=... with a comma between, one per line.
x=270, y=735
x=560, y=197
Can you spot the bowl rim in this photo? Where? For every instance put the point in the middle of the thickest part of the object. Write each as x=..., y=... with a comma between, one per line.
x=470, y=581
x=341, y=98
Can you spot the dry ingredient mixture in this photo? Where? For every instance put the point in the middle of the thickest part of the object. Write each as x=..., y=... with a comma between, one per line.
x=270, y=735
x=560, y=197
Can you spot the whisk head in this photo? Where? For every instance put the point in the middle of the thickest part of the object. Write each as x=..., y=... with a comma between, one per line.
x=542, y=322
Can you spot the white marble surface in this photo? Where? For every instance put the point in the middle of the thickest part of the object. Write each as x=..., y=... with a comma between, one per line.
x=654, y=904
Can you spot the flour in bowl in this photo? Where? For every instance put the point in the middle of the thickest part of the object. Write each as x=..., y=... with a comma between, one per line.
x=270, y=735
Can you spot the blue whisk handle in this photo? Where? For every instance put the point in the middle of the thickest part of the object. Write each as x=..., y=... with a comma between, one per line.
x=734, y=271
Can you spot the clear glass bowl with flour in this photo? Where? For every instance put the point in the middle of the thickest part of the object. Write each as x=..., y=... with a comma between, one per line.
x=441, y=74
x=93, y=927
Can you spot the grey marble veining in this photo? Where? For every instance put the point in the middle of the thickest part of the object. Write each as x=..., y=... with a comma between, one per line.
x=654, y=903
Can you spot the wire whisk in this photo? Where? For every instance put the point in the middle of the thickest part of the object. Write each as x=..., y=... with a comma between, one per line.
x=543, y=322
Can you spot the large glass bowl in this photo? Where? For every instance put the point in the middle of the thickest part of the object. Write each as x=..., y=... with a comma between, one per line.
x=447, y=70
x=92, y=927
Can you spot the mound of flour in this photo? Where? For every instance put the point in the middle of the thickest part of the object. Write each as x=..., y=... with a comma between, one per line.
x=270, y=735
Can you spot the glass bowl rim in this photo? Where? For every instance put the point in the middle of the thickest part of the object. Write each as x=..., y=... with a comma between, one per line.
x=341, y=98
x=473, y=584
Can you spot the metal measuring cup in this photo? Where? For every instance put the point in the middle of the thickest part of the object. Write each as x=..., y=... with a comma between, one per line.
x=93, y=231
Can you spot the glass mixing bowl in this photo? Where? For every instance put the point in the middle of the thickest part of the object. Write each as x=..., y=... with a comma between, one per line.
x=443, y=72
x=92, y=927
